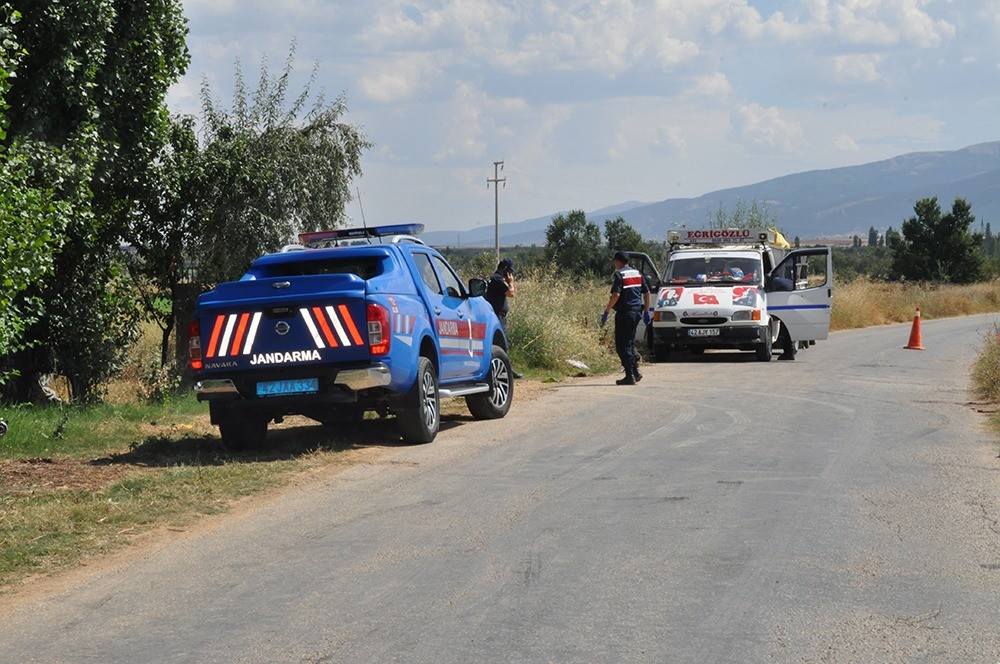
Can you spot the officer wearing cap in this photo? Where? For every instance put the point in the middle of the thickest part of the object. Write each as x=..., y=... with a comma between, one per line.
x=499, y=289
x=629, y=292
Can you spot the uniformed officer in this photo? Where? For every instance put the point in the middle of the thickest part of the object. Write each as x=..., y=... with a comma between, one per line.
x=499, y=289
x=630, y=298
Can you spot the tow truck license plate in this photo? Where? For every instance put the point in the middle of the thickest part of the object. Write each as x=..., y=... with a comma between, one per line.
x=704, y=332
x=276, y=388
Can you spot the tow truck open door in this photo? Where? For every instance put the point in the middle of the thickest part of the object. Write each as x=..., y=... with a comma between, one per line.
x=800, y=293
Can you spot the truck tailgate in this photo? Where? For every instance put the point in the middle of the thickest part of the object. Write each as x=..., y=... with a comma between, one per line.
x=263, y=323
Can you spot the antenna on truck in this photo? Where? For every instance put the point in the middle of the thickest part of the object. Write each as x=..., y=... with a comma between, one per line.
x=364, y=223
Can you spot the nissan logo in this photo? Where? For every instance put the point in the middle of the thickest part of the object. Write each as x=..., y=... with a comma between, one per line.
x=282, y=328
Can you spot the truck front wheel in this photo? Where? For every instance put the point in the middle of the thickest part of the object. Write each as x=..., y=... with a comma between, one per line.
x=765, y=350
x=494, y=404
x=420, y=418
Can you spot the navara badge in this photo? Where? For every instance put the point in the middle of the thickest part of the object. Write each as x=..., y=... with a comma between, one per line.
x=282, y=328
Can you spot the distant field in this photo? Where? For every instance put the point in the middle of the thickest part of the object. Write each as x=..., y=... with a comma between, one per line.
x=863, y=303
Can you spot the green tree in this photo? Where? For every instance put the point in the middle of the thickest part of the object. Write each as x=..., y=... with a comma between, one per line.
x=893, y=239
x=31, y=219
x=165, y=232
x=574, y=245
x=87, y=112
x=743, y=215
x=272, y=168
x=872, y=237
x=621, y=235
x=939, y=247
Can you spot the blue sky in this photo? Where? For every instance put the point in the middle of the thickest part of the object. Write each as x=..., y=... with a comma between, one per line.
x=593, y=103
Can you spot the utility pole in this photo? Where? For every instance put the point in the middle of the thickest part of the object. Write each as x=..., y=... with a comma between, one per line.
x=497, y=167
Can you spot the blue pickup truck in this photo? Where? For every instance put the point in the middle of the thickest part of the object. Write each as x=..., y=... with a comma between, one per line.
x=383, y=323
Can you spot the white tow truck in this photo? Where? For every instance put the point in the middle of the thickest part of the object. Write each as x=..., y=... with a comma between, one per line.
x=742, y=289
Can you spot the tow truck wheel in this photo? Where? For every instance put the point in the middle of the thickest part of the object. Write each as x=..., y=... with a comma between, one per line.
x=420, y=419
x=661, y=353
x=765, y=350
x=494, y=404
x=244, y=434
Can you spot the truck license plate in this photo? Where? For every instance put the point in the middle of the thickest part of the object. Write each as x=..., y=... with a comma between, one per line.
x=275, y=388
x=704, y=332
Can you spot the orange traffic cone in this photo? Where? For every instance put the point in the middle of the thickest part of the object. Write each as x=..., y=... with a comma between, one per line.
x=916, y=342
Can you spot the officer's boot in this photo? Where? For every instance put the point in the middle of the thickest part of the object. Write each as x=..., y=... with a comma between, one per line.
x=629, y=379
x=635, y=372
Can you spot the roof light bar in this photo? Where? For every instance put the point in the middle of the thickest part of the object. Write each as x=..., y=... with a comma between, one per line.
x=317, y=237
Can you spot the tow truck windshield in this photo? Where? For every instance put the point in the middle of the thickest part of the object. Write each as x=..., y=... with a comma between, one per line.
x=715, y=269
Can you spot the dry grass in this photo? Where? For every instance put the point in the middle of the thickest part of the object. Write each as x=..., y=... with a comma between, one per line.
x=865, y=303
x=554, y=319
x=986, y=371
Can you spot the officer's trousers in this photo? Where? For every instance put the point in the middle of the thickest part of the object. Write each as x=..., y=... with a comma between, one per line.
x=625, y=324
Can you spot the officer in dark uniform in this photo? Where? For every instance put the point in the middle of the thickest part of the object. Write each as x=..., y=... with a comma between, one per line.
x=629, y=292
x=499, y=289
x=780, y=283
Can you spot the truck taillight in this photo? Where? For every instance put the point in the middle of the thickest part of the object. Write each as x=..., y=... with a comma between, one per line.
x=194, y=346
x=379, y=333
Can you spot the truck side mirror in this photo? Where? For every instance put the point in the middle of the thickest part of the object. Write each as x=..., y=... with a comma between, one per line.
x=477, y=287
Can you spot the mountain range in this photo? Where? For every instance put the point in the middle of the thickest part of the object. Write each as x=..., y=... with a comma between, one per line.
x=827, y=203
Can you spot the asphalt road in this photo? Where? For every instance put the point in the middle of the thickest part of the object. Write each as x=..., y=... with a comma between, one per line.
x=841, y=508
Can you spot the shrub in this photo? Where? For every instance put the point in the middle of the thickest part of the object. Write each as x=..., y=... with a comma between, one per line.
x=554, y=319
x=986, y=370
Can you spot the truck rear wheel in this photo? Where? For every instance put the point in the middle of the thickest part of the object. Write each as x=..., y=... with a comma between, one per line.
x=244, y=434
x=420, y=418
x=494, y=404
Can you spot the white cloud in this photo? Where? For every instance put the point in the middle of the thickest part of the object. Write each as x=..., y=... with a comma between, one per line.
x=845, y=143
x=864, y=68
x=888, y=22
x=465, y=116
x=759, y=127
x=715, y=85
x=395, y=81
x=670, y=140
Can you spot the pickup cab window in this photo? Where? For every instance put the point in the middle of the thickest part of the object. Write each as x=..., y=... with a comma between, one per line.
x=452, y=284
x=365, y=267
x=426, y=270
